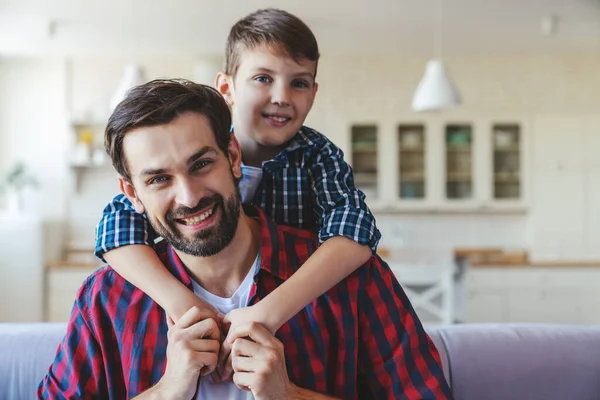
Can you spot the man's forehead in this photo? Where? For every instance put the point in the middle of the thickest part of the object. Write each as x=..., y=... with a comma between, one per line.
x=169, y=144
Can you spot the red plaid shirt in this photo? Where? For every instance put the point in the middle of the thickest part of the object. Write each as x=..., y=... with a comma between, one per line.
x=362, y=339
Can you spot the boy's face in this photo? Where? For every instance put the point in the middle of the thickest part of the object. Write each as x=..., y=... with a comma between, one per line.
x=271, y=95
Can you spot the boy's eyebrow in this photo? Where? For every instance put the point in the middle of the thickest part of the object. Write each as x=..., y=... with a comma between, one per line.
x=194, y=157
x=298, y=75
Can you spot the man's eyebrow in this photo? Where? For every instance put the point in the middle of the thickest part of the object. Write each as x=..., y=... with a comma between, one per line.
x=150, y=172
x=201, y=153
x=194, y=157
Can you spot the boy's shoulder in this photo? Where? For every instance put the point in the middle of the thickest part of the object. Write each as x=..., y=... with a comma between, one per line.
x=311, y=141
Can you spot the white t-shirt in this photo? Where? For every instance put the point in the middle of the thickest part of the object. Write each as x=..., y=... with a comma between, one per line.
x=251, y=177
x=208, y=388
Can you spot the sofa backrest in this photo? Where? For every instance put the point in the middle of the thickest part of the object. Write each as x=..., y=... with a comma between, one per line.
x=26, y=352
x=481, y=362
x=520, y=361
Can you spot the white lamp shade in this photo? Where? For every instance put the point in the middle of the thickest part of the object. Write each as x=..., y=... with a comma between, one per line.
x=133, y=76
x=436, y=90
x=205, y=72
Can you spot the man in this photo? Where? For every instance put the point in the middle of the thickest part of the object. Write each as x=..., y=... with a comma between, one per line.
x=170, y=142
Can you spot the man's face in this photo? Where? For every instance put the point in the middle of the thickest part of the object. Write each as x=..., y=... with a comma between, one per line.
x=271, y=95
x=184, y=183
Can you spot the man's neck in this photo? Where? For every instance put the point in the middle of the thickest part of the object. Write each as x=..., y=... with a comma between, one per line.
x=224, y=272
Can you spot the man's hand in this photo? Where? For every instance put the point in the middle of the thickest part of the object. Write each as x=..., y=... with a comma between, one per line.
x=234, y=319
x=192, y=351
x=259, y=363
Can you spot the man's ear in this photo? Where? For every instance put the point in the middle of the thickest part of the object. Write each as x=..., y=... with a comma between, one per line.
x=129, y=191
x=224, y=85
x=234, y=154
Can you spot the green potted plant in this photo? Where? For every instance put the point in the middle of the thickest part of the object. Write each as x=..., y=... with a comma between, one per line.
x=13, y=183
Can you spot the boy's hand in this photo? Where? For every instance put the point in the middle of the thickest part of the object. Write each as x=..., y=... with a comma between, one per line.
x=236, y=318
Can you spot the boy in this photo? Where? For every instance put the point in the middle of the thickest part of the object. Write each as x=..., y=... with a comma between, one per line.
x=295, y=174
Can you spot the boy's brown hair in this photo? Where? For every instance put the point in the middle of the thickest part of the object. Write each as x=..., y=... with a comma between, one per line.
x=159, y=102
x=275, y=28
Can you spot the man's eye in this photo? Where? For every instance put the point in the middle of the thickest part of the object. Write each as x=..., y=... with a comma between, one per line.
x=157, y=180
x=200, y=165
x=263, y=79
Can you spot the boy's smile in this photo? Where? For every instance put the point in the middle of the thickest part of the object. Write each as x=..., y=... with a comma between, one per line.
x=271, y=94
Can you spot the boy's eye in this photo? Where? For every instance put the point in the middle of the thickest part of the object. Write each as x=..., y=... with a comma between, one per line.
x=157, y=180
x=300, y=84
x=263, y=79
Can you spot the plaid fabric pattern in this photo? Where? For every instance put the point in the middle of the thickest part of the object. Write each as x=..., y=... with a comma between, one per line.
x=362, y=339
x=308, y=185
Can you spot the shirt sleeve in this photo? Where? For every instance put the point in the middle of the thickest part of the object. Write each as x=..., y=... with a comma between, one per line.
x=77, y=371
x=121, y=225
x=339, y=207
x=397, y=359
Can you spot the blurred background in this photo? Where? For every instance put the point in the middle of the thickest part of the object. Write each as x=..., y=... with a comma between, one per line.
x=483, y=171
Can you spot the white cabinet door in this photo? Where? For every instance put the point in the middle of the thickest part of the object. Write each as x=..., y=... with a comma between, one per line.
x=486, y=306
x=63, y=285
x=558, y=209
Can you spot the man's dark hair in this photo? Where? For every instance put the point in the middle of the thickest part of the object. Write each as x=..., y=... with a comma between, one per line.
x=159, y=102
x=275, y=28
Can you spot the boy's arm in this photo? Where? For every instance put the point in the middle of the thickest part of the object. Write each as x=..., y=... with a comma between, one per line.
x=124, y=239
x=348, y=235
x=396, y=357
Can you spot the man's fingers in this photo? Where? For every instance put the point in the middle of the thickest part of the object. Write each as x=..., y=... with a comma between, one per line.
x=205, y=345
x=244, y=364
x=224, y=353
x=192, y=316
x=243, y=380
x=205, y=329
x=170, y=321
x=246, y=348
x=227, y=370
x=254, y=331
x=207, y=362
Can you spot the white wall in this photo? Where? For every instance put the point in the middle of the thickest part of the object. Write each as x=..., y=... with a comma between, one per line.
x=33, y=130
x=352, y=89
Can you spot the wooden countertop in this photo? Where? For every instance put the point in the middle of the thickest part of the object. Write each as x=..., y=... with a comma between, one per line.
x=549, y=264
x=74, y=265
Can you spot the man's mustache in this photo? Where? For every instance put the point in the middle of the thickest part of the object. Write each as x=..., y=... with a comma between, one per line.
x=183, y=211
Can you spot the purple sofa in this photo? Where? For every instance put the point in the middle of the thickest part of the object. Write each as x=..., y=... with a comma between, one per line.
x=481, y=362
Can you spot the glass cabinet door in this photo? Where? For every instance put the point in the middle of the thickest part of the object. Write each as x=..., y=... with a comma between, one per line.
x=364, y=158
x=411, y=156
x=459, y=161
x=506, y=143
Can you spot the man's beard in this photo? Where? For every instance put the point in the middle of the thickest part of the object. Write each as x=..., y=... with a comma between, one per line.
x=209, y=241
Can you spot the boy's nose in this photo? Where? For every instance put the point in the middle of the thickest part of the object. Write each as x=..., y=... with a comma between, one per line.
x=281, y=95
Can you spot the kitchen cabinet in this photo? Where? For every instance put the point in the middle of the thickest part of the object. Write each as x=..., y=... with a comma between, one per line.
x=434, y=164
x=564, y=294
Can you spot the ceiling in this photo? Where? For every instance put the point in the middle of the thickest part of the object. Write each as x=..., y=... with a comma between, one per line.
x=188, y=28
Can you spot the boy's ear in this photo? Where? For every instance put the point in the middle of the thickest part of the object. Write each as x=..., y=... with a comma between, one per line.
x=129, y=191
x=234, y=153
x=224, y=85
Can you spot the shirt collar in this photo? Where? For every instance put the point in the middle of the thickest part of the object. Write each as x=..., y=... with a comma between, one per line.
x=274, y=254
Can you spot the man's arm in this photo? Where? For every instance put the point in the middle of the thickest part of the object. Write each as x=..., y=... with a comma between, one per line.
x=77, y=370
x=397, y=359
x=258, y=361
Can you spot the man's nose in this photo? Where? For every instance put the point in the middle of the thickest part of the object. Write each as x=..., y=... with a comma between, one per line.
x=188, y=194
x=281, y=95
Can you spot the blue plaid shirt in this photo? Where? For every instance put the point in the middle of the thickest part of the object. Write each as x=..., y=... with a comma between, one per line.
x=308, y=185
